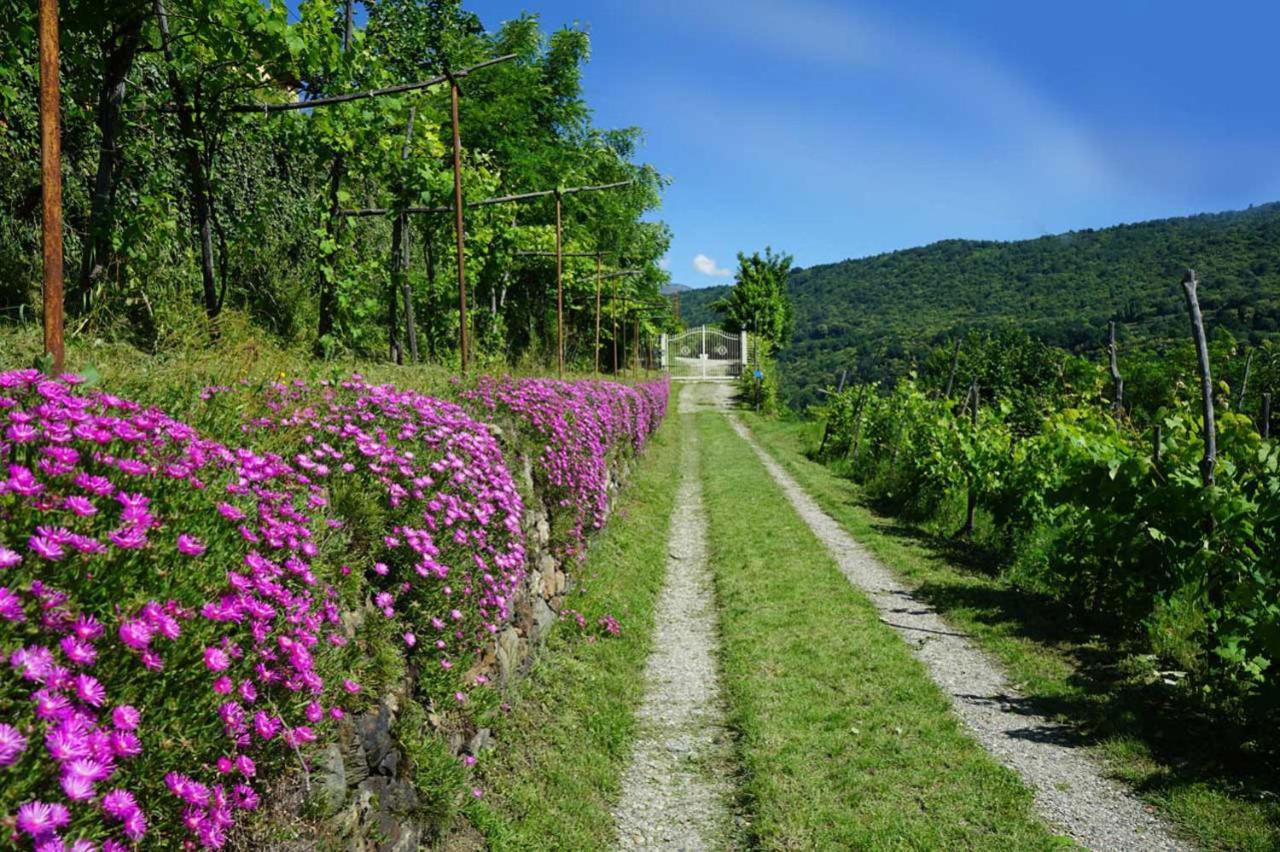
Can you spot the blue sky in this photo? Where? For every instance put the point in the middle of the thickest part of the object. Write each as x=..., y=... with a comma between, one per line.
x=840, y=128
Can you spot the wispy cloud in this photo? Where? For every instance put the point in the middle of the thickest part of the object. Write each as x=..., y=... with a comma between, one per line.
x=707, y=266
x=665, y=264
x=935, y=64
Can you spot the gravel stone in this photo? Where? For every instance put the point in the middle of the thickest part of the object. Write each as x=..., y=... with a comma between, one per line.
x=676, y=791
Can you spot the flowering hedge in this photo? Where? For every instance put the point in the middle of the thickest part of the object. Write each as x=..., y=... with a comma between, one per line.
x=171, y=609
x=575, y=427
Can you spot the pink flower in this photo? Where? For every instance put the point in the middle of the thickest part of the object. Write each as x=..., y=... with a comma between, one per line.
x=12, y=744
x=351, y=686
x=76, y=787
x=190, y=545
x=8, y=558
x=78, y=651
x=10, y=606
x=119, y=804
x=45, y=548
x=125, y=718
x=89, y=690
x=39, y=819
x=135, y=633
x=216, y=659
x=80, y=505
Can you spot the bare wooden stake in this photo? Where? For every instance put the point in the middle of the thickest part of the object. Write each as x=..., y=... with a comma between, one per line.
x=1210, y=460
x=559, y=286
x=51, y=182
x=1117, y=383
x=955, y=364
x=599, y=268
x=971, y=509
x=1244, y=382
x=1266, y=415
x=1157, y=445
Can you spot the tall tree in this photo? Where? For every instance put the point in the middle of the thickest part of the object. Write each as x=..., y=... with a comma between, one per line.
x=758, y=300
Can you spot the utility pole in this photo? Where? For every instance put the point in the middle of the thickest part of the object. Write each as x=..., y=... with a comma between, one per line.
x=51, y=182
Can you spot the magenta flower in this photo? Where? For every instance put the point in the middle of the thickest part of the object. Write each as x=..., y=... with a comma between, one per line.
x=80, y=506
x=46, y=548
x=12, y=744
x=78, y=651
x=40, y=819
x=8, y=558
x=216, y=659
x=135, y=633
x=10, y=606
x=125, y=718
x=189, y=545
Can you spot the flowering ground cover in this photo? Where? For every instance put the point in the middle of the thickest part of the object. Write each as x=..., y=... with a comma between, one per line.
x=172, y=609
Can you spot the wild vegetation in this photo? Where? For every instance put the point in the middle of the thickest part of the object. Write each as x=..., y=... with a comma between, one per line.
x=193, y=186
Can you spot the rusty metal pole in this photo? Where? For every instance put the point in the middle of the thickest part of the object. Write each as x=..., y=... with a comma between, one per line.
x=559, y=286
x=458, y=225
x=51, y=181
x=599, y=261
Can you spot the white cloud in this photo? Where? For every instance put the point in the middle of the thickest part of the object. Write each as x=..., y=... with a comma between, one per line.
x=665, y=264
x=707, y=266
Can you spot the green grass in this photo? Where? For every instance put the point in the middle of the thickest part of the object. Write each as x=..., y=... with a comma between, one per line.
x=1216, y=788
x=553, y=780
x=844, y=740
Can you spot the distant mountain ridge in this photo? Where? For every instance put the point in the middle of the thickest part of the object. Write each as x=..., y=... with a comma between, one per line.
x=873, y=314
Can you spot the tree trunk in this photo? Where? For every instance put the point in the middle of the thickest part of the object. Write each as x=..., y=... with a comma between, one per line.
x=118, y=53
x=195, y=167
x=328, y=284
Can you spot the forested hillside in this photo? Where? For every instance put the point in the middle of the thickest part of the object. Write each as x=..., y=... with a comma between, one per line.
x=876, y=313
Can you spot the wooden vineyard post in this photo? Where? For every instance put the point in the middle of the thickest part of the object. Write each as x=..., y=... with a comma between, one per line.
x=1244, y=383
x=1117, y=383
x=1157, y=446
x=971, y=509
x=613, y=310
x=458, y=225
x=1266, y=415
x=955, y=363
x=857, y=426
x=1210, y=460
x=559, y=285
x=51, y=182
x=599, y=261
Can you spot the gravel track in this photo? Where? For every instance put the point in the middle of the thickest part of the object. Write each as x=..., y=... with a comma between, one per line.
x=1071, y=791
x=676, y=793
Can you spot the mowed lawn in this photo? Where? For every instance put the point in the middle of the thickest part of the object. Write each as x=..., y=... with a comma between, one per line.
x=844, y=740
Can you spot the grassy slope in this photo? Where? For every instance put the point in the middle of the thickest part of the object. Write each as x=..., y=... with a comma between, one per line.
x=1076, y=676
x=845, y=742
x=553, y=779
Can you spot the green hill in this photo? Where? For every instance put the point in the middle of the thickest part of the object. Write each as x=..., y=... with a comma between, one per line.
x=874, y=314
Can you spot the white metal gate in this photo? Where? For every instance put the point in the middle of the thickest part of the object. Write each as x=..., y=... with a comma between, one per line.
x=704, y=353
